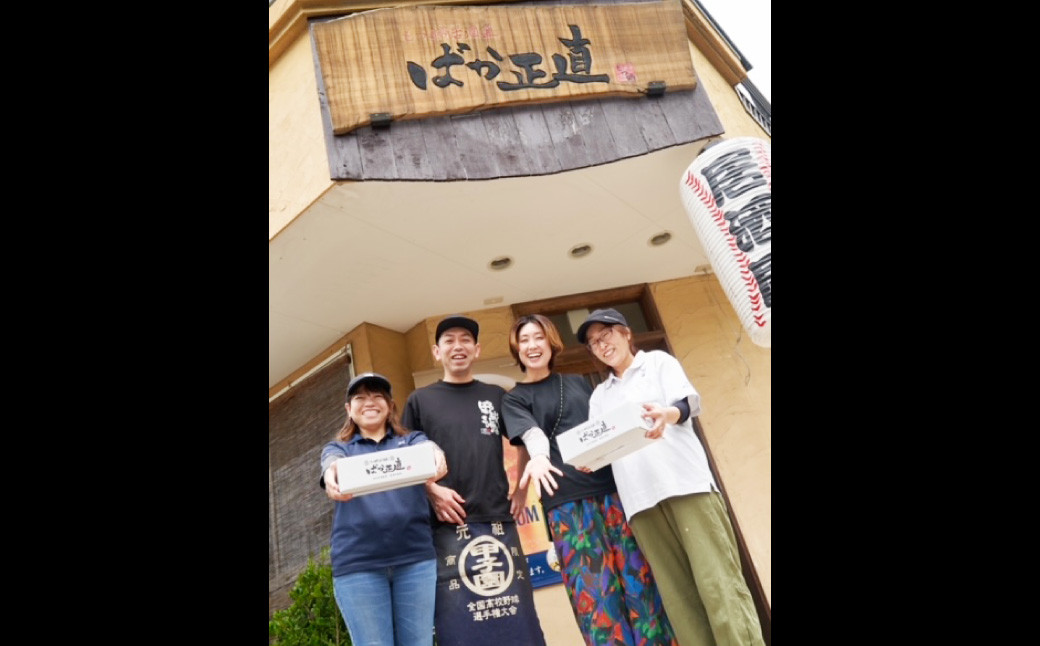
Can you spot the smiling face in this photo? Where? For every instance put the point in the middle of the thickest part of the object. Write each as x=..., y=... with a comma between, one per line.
x=535, y=343
x=456, y=349
x=369, y=409
x=533, y=349
x=611, y=344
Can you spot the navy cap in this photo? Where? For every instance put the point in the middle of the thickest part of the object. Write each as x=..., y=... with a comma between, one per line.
x=371, y=378
x=457, y=320
x=608, y=316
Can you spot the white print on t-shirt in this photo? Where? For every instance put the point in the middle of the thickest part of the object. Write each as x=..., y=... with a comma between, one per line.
x=488, y=417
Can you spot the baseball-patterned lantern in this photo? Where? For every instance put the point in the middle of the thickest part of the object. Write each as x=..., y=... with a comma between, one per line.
x=727, y=192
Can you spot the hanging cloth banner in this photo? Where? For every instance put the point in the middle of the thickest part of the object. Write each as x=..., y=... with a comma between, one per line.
x=727, y=192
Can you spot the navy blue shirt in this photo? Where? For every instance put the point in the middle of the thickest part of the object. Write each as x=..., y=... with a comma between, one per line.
x=383, y=528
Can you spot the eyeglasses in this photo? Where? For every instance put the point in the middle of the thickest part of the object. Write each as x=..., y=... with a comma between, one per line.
x=602, y=339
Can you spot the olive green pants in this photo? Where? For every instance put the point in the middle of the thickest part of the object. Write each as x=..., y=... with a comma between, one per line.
x=692, y=550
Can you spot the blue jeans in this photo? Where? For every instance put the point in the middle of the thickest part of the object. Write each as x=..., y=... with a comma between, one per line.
x=390, y=606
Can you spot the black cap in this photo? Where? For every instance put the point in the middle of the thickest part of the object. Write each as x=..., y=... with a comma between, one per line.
x=608, y=316
x=457, y=320
x=372, y=378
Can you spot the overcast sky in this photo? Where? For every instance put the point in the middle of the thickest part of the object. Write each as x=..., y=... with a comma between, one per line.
x=747, y=23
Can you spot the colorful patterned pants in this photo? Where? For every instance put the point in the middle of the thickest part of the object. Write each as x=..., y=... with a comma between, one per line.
x=609, y=582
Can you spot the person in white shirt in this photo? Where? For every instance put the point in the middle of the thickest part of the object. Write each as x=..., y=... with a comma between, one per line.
x=670, y=497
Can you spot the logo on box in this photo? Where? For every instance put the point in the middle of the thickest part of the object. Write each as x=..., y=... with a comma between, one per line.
x=594, y=432
x=384, y=466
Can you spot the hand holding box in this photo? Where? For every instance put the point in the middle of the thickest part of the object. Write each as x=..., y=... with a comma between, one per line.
x=384, y=470
x=598, y=442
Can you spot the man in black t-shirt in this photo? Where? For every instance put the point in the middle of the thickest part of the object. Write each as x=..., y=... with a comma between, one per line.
x=484, y=593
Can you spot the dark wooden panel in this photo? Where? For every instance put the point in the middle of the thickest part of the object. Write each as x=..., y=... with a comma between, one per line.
x=377, y=152
x=535, y=140
x=649, y=119
x=690, y=115
x=504, y=138
x=595, y=132
x=475, y=152
x=344, y=157
x=410, y=157
x=566, y=137
x=439, y=136
x=628, y=141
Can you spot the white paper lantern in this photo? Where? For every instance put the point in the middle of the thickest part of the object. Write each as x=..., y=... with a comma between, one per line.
x=727, y=192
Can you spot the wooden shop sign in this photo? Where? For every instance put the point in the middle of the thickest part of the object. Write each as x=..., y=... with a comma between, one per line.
x=413, y=62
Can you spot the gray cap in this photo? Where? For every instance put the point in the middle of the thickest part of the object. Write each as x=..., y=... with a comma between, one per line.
x=607, y=316
x=371, y=378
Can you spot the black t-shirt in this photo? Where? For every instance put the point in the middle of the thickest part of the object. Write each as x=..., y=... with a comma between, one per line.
x=538, y=404
x=465, y=421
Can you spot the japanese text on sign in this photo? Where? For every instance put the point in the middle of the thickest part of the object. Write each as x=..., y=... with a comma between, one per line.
x=574, y=69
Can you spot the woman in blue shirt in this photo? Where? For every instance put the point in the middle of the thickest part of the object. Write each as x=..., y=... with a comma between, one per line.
x=384, y=566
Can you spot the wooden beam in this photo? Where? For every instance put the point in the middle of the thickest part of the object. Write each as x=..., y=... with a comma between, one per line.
x=710, y=43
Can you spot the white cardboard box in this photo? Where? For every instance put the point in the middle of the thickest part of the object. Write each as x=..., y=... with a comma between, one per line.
x=598, y=442
x=384, y=470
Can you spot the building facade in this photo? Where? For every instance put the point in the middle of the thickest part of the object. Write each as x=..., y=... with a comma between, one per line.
x=688, y=315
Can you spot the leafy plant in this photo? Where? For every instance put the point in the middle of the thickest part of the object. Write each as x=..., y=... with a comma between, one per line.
x=313, y=618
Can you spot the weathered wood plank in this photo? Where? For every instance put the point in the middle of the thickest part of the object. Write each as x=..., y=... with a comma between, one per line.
x=628, y=140
x=377, y=152
x=649, y=119
x=504, y=143
x=569, y=145
x=690, y=115
x=535, y=140
x=410, y=157
x=439, y=134
x=599, y=141
x=475, y=153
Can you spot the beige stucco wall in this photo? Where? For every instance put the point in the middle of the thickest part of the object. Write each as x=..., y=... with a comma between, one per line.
x=298, y=168
x=733, y=377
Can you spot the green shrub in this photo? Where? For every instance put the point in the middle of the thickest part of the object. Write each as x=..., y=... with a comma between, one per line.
x=313, y=619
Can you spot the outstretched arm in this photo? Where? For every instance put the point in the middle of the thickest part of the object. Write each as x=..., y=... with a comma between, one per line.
x=538, y=468
x=331, y=478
